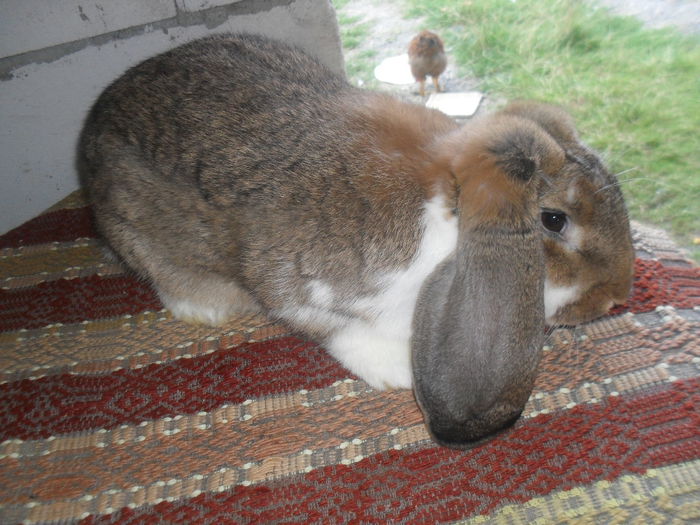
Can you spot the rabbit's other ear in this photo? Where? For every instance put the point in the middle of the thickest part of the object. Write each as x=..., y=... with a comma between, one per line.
x=554, y=120
x=479, y=320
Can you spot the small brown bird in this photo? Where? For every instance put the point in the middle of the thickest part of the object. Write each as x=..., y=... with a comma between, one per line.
x=426, y=55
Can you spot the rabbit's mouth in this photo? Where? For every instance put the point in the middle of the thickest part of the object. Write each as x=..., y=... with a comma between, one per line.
x=573, y=305
x=586, y=309
x=557, y=299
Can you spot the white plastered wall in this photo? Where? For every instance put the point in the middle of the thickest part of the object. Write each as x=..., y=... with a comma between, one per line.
x=57, y=56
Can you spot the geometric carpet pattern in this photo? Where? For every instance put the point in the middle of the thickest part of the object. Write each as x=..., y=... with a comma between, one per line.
x=114, y=412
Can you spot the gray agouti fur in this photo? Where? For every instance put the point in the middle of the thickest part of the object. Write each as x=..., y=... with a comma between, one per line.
x=238, y=174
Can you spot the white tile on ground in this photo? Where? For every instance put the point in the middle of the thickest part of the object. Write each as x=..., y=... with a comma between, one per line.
x=455, y=104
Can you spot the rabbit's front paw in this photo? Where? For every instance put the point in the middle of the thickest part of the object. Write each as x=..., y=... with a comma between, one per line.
x=382, y=362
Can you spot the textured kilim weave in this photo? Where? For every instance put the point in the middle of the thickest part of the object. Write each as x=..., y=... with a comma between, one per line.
x=114, y=412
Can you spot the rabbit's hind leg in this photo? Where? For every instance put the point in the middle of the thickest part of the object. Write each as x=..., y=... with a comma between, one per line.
x=192, y=294
x=204, y=299
x=149, y=234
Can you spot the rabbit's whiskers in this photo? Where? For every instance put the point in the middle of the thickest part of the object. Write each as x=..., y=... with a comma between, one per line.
x=633, y=168
x=549, y=334
x=619, y=183
x=546, y=179
x=571, y=335
x=577, y=350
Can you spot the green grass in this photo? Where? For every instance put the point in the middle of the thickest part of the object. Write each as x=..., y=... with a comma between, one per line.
x=352, y=31
x=634, y=92
x=361, y=67
x=359, y=63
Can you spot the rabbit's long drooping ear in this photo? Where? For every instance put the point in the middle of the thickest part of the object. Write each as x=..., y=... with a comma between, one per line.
x=479, y=321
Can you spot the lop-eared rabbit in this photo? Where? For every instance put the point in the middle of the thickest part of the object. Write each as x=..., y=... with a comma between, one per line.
x=237, y=174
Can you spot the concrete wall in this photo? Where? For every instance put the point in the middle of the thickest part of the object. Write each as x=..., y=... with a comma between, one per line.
x=57, y=56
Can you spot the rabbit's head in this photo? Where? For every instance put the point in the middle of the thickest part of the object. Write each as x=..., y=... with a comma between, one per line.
x=479, y=320
x=543, y=237
x=587, y=242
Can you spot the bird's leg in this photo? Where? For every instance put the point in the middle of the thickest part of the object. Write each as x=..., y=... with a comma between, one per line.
x=422, y=87
x=436, y=84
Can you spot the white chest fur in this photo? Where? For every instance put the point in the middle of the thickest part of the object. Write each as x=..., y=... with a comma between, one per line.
x=375, y=344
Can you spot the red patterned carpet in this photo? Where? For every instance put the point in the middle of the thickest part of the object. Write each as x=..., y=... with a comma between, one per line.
x=113, y=412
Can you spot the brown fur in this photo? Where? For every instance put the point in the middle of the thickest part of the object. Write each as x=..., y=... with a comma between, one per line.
x=426, y=56
x=603, y=262
x=485, y=167
x=235, y=173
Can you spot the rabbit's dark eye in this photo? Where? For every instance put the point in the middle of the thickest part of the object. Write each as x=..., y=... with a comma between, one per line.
x=553, y=221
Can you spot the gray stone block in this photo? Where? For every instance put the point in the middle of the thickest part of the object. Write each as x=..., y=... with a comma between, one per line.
x=28, y=25
x=46, y=92
x=199, y=5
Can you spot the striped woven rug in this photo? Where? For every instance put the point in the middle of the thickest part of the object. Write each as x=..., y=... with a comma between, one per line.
x=114, y=412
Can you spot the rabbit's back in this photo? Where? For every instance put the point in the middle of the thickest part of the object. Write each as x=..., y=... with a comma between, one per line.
x=236, y=172
x=192, y=104
x=243, y=158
